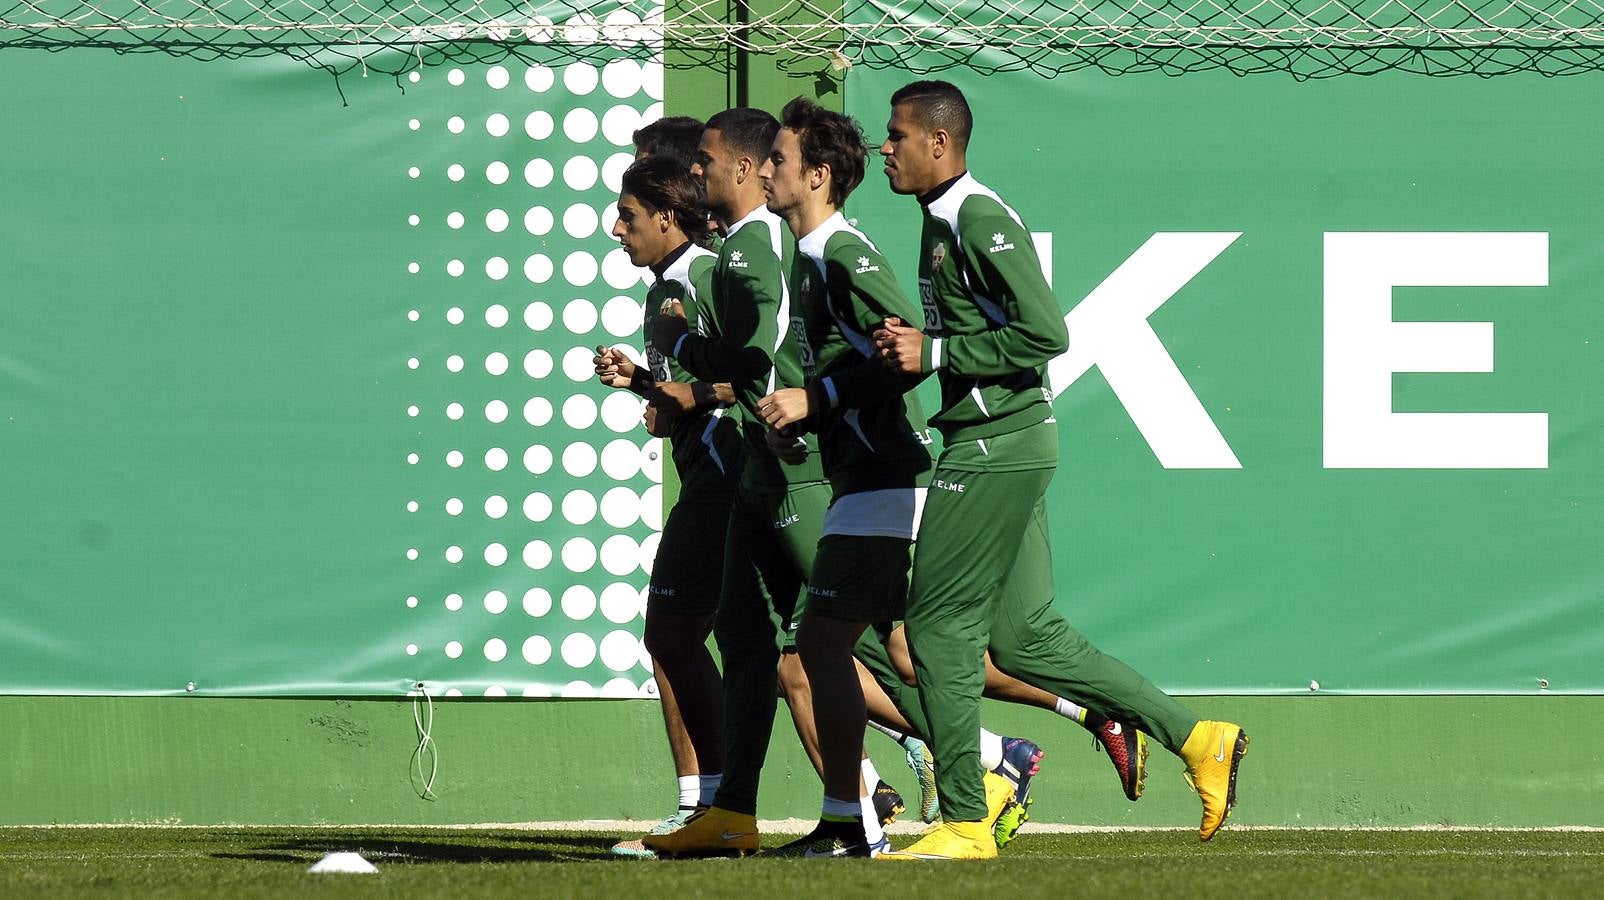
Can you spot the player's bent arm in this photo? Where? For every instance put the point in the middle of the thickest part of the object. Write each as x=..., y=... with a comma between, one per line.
x=685, y=398
x=866, y=286
x=740, y=355
x=1011, y=278
x=710, y=396
x=865, y=384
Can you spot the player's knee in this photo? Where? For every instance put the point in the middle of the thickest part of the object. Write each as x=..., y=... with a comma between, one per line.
x=811, y=642
x=658, y=643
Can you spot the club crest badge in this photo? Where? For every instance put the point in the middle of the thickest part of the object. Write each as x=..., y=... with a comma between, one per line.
x=938, y=255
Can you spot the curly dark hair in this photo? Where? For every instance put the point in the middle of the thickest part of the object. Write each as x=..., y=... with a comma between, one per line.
x=828, y=139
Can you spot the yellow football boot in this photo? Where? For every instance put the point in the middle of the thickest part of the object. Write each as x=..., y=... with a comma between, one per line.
x=715, y=832
x=1212, y=753
x=963, y=840
x=949, y=840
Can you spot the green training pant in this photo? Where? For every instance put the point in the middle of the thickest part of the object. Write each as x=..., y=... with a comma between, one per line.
x=983, y=529
x=769, y=552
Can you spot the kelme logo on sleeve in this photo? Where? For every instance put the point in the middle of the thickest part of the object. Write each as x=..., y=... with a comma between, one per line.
x=863, y=265
x=736, y=262
x=998, y=245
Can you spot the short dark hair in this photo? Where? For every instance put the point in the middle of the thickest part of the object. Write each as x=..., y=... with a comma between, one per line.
x=749, y=132
x=675, y=137
x=938, y=104
x=662, y=183
x=828, y=139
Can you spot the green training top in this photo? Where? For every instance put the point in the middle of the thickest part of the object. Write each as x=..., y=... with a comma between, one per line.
x=991, y=321
x=707, y=445
x=871, y=434
x=752, y=340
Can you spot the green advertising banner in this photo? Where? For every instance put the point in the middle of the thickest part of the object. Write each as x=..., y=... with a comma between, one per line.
x=1331, y=413
x=296, y=394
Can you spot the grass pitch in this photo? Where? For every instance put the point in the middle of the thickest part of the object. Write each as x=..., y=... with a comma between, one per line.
x=496, y=863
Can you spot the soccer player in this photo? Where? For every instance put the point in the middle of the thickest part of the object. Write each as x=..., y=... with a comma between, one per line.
x=750, y=345
x=983, y=574
x=871, y=449
x=661, y=225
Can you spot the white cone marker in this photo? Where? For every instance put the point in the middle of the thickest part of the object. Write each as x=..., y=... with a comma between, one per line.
x=348, y=863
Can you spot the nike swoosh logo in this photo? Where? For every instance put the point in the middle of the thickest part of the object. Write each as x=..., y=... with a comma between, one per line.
x=739, y=834
x=1115, y=729
x=809, y=854
x=1220, y=757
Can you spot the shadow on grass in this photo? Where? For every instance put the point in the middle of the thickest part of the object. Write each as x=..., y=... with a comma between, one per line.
x=495, y=849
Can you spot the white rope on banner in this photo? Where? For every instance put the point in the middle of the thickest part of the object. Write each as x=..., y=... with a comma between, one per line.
x=423, y=718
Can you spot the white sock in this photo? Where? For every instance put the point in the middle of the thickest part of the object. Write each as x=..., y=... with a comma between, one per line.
x=708, y=786
x=891, y=733
x=991, y=750
x=871, y=820
x=690, y=789
x=1070, y=711
x=871, y=778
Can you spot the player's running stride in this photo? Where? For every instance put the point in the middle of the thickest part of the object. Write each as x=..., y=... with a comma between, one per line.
x=872, y=443
x=661, y=225
x=983, y=574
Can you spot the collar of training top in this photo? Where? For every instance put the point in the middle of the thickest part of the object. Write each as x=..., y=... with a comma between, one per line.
x=661, y=266
x=936, y=192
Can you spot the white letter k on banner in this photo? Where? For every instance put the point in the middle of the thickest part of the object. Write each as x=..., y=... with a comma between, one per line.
x=1109, y=330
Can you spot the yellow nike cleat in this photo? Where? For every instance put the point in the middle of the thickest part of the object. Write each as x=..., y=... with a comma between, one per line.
x=715, y=832
x=965, y=840
x=1212, y=753
x=949, y=840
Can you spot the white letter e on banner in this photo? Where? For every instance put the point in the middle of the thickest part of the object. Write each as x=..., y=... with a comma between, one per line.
x=1364, y=347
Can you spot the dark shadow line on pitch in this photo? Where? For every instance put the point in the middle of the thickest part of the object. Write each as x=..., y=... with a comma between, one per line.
x=304, y=851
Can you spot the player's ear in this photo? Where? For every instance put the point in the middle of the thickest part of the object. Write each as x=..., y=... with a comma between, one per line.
x=744, y=167
x=940, y=142
x=819, y=177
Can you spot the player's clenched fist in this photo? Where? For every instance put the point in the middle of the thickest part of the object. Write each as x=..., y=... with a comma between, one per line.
x=613, y=368
x=789, y=448
x=668, y=327
x=658, y=423
x=901, y=346
x=784, y=407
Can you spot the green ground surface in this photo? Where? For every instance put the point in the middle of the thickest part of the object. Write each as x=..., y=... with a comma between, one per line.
x=163, y=863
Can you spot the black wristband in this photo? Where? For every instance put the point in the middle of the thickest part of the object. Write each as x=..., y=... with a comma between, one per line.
x=818, y=406
x=703, y=395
